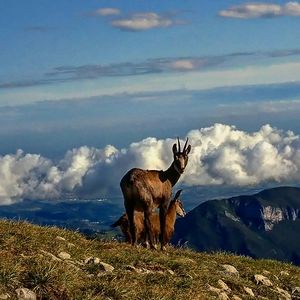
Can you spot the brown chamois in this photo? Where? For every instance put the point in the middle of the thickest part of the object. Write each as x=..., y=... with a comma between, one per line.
x=175, y=208
x=144, y=190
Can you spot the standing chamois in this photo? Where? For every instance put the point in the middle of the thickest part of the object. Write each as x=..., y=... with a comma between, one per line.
x=144, y=190
x=175, y=208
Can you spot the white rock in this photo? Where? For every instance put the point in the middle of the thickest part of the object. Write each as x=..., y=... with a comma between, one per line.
x=4, y=296
x=53, y=257
x=230, y=269
x=89, y=260
x=285, y=294
x=60, y=238
x=249, y=291
x=25, y=294
x=284, y=273
x=223, y=286
x=235, y=297
x=106, y=267
x=131, y=268
x=92, y=260
x=263, y=280
x=96, y=261
x=214, y=289
x=64, y=255
x=171, y=272
x=296, y=290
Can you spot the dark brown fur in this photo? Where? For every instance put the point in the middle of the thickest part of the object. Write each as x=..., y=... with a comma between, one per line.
x=144, y=190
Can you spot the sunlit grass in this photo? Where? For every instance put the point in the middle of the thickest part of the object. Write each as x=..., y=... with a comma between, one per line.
x=25, y=262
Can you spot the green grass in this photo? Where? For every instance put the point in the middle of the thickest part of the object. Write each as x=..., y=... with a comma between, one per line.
x=24, y=262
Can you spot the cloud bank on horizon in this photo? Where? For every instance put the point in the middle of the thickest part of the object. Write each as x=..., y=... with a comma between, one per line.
x=221, y=155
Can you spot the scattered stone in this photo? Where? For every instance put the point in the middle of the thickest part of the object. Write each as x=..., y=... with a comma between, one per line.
x=106, y=267
x=296, y=290
x=53, y=257
x=263, y=280
x=214, y=289
x=96, y=261
x=171, y=272
x=4, y=296
x=64, y=255
x=231, y=270
x=284, y=273
x=92, y=260
x=89, y=260
x=25, y=294
x=249, y=291
x=60, y=238
x=283, y=293
x=224, y=286
x=132, y=268
x=160, y=272
x=235, y=297
x=223, y=296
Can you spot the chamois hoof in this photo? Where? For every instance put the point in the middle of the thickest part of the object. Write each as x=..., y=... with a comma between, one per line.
x=146, y=245
x=153, y=247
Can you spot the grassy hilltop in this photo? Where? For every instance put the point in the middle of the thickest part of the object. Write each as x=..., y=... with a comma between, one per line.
x=61, y=264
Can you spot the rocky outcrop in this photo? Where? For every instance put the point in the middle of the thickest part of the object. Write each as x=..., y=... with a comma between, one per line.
x=273, y=215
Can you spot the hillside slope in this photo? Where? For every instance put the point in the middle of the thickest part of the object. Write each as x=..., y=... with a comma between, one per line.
x=59, y=264
x=264, y=225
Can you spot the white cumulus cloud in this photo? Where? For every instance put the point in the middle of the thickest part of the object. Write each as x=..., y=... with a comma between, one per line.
x=142, y=21
x=261, y=10
x=221, y=155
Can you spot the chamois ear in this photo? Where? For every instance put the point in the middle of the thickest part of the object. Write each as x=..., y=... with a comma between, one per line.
x=177, y=194
x=188, y=150
x=174, y=148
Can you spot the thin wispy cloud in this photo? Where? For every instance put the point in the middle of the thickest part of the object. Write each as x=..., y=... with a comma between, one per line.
x=62, y=74
x=261, y=10
x=38, y=28
x=106, y=11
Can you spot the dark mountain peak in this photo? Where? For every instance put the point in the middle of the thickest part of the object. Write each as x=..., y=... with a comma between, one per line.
x=265, y=224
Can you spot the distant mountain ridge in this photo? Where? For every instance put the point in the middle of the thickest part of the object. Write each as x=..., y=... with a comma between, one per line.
x=263, y=225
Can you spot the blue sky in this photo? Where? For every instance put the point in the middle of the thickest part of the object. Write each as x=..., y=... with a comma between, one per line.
x=109, y=65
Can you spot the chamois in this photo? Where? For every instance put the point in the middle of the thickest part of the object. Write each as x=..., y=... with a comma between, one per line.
x=144, y=190
x=175, y=208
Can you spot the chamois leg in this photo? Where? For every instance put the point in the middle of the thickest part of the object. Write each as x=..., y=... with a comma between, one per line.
x=148, y=227
x=162, y=218
x=131, y=223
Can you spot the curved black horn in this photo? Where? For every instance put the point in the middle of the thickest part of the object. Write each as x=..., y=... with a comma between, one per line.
x=177, y=195
x=178, y=144
x=184, y=148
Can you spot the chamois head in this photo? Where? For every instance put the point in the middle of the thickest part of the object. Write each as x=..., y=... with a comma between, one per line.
x=178, y=205
x=181, y=157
